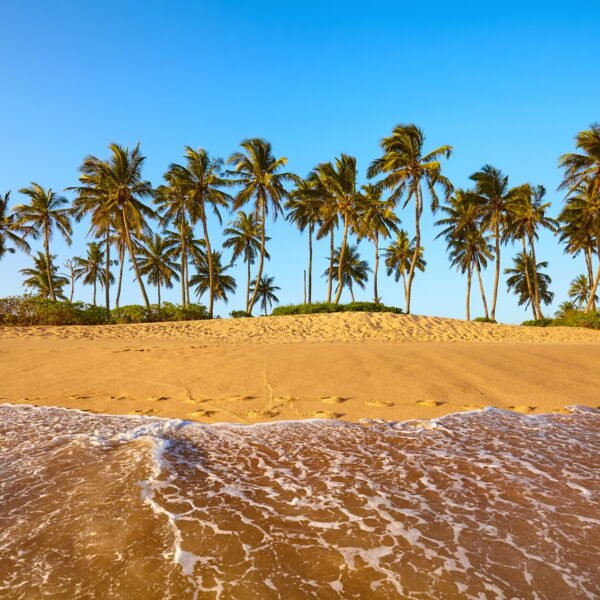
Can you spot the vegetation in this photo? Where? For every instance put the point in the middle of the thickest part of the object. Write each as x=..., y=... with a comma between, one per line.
x=162, y=233
x=331, y=307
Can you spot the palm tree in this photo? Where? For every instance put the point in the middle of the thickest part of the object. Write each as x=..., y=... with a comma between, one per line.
x=265, y=292
x=565, y=308
x=43, y=214
x=468, y=246
x=337, y=181
x=518, y=281
x=304, y=210
x=259, y=174
x=223, y=284
x=38, y=281
x=579, y=291
x=91, y=268
x=71, y=266
x=406, y=168
x=155, y=260
x=244, y=237
x=398, y=258
x=200, y=181
x=10, y=232
x=378, y=221
x=353, y=270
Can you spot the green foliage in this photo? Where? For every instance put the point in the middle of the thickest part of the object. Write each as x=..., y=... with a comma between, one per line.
x=571, y=318
x=540, y=322
x=329, y=307
x=484, y=320
x=33, y=310
x=239, y=314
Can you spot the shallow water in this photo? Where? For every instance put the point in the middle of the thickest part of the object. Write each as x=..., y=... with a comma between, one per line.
x=487, y=504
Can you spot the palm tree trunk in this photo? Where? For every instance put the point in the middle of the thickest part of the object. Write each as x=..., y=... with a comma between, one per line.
x=107, y=274
x=133, y=260
x=497, y=276
x=405, y=290
x=94, y=296
x=376, y=269
x=248, y=288
x=590, y=268
x=72, y=286
x=351, y=292
x=304, y=301
x=527, y=276
x=158, y=290
x=330, y=274
x=209, y=256
x=594, y=287
x=183, y=259
x=536, y=285
x=341, y=262
x=310, y=255
x=48, y=262
x=469, y=274
x=122, y=261
x=415, y=257
x=485, y=306
x=262, y=252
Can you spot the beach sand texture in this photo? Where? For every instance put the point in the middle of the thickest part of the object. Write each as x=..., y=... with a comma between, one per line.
x=343, y=366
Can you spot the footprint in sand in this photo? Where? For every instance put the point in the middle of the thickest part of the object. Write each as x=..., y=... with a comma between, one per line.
x=148, y=411
x=196, y=400
x=285, y=399
x=324, y=414
x=203, y=413
x=472, y=406
x=430, y=403
x=157, y=398
x=257, y=414
x=239, y=398
x=77, y=397
x=522, y=408
x=379, y=403
x=333, y=399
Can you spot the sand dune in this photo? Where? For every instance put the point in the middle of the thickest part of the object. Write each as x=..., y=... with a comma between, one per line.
x=341, y=366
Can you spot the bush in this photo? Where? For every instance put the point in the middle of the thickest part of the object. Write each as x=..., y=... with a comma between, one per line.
x=484, y=320
x=328, y=307
x=539, y=323
x=239, y=314
x=571, y=318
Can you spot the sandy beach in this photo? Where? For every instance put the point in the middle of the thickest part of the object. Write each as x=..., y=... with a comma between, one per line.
x=344, y=366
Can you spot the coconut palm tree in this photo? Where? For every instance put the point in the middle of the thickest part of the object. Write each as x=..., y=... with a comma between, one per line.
x=244, y=238
x=37, y=280
x=517, y=281
x=378, y=221
x=155, y=260
x=265, y=292
x=201, y=181
x=259, y=174
x=10, y=232
x=223, y=284
x=44, y=213
x=583, y=168
x=398, y=258
x=91, y=268
x=407, y=168
x=304, y=210
x=354, y=270
x=579, y=291
x=71, y=266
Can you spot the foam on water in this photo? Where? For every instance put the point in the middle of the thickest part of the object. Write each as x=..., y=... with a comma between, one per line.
x=486, y=504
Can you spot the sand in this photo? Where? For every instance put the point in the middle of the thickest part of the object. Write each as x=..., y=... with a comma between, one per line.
x=342, y=366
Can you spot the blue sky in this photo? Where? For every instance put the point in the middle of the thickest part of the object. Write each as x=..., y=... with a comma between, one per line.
x=505, y=83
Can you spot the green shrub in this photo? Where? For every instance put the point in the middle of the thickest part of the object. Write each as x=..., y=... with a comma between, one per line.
x=239, y=314
x=484, y=320
x=571, y=318
x=328, y=307
x=539, y=323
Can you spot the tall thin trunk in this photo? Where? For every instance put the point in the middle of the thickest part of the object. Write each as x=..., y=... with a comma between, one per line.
x=594, y=287
x=133, y=260
x=48, y=261
x=122, y=261
x=304, y=286
x=590, y=267
x=107, y=274
x=182, y=231
x=330, y=274
x=72, y=286
x=351, y=292
x=376, y=269
x=469, y=274
x=405, y=290
x=248, y=286
x=310, y=256
x=209, y=256
x=187, y=283
x=341, y=261
x=481, y=289
x=261, y=259
x=158, y=291
x=527, y=276
x=94, y=296
x=536, y=283
x=497, y=276
x=415, y=257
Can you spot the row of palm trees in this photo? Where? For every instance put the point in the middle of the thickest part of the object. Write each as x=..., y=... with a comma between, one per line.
x=476, y=223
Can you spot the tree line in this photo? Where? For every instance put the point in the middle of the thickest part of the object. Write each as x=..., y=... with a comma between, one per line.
x=329, y=203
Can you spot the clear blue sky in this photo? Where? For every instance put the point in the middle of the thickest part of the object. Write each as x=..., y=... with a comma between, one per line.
x=506, y=83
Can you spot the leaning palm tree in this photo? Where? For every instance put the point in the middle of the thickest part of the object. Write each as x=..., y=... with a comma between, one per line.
x=378, y=221
x=37, y=280
x=304, y=210
x=517, y=281
x=353, y=270
x=156, y=262
x=91, y=268
x=579, y=291
x=201, y=181
x=223, y=284
x=259, y=174
x=243, y=237
x=398, y=258
x=45, y=212
x=10, y=232
x=265, y=292
x=406, y=168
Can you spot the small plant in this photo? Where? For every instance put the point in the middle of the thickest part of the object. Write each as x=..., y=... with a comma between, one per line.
x=539, y=323
x=239, y=314
x=484, y=320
